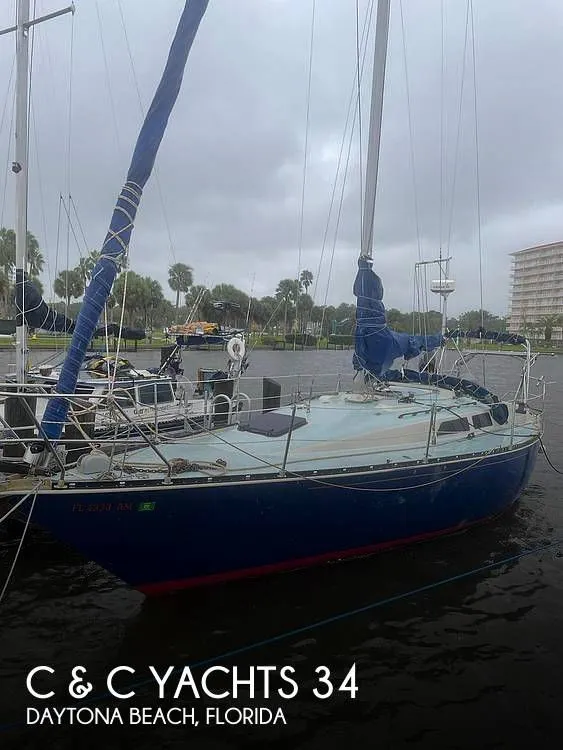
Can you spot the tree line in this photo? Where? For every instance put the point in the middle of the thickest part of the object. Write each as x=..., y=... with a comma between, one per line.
x=289, y=309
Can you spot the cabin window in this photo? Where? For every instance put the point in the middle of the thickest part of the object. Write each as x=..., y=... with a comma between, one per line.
x=160, y=393
x=482, y=420
x=461, y=424
x=124, y=397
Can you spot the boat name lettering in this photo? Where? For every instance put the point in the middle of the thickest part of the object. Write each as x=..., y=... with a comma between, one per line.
x=102, y=507
x=216, y=682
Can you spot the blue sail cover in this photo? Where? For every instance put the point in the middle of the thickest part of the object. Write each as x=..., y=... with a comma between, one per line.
x=500, y=337
x=31, y=307
x=116, y=243
x=376, y=344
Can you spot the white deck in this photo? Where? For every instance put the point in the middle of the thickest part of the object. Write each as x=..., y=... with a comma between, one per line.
x=343, y=431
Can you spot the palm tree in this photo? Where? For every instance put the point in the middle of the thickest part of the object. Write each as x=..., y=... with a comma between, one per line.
x=86, y=265
x=306, y=279
x=288, y=290
x=180, y=279
x=4, y=291
x=84, y=269
x=35, y=258
x=7, y=250
x=547, y=323
x=68, y=285
x=152, y=298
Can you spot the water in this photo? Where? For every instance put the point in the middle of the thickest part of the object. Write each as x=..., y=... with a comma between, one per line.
x=473, y=663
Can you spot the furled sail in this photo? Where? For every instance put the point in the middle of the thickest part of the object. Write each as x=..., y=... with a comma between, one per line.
x=500, y=337
x=376, y=344
x=35, y=311
x=116, y=243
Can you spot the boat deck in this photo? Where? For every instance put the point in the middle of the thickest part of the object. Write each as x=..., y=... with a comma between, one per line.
x=342, y=431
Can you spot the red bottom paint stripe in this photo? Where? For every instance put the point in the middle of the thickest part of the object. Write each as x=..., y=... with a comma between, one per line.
x=154, y=589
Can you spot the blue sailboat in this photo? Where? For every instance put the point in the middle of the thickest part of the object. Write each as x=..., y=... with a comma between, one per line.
x=410, y=456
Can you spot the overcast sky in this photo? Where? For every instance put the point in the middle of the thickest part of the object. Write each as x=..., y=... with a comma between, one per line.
x=230, y=167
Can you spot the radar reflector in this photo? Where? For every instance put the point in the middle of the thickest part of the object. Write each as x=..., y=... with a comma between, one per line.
x=443, y=287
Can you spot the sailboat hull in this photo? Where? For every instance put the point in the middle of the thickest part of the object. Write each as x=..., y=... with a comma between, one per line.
x=165, y=538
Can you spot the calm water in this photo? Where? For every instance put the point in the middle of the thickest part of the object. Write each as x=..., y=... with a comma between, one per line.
x=474, y=663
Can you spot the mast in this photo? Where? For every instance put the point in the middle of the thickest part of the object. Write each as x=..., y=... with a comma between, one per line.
x=20, y=166
x=376, y=113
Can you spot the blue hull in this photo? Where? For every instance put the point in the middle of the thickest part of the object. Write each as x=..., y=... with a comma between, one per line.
x=169, y=537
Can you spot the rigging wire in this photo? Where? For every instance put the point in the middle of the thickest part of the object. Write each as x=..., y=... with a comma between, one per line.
x=305, y=160
x=108, y=79
x=441, y=275
x=57, y=247
x=477, y=175
x=142, y=110
x=20, y=545
x=33, y=126
x=411, y=133
x=351, y=107
x=458, y=133
x=27, y=142
x=73, y=204
x=69, y=155
x=442, y=144
x=6, y=170
x=41, y=195
x=418, y=306
x=337, y=225
x=478, y=181
x=359, y=84
x=70, y=224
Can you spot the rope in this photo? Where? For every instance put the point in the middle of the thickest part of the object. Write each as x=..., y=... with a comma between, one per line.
x=20, y=545
x=181, y=465
x=17, y=505
x=547, y=458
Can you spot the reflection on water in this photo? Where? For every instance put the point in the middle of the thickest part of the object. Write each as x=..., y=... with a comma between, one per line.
x=471, y=663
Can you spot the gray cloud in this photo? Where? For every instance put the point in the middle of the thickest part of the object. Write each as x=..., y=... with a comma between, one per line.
x=231, y=163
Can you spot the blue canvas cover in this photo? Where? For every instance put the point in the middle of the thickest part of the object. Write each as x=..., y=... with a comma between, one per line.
x=116, y=243
x=32, y=308
x=500, y=337
x=376, y=344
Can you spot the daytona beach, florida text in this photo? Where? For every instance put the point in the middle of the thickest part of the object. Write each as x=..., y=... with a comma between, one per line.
x=86, y=715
